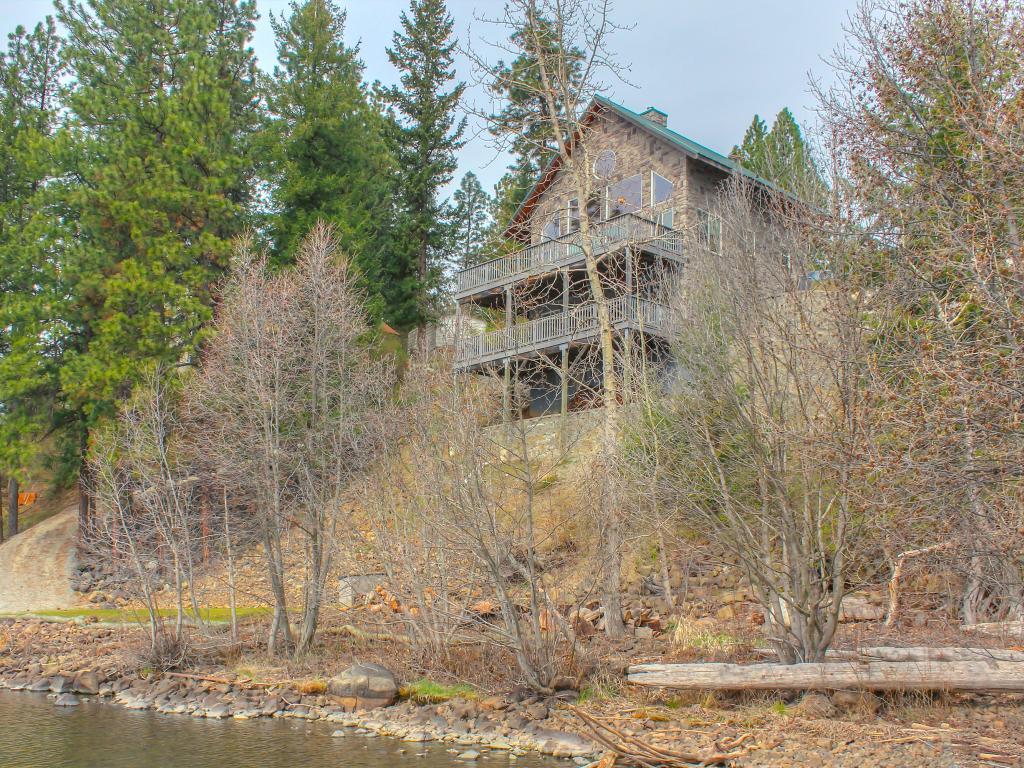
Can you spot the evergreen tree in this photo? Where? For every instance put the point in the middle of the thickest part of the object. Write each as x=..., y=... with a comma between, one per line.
x=32, y=338
x=326, y=141
x=524, y=114
x=423, y=51
x=470, y=222
x=781, y=156
x=156, y=184
x=751, y=153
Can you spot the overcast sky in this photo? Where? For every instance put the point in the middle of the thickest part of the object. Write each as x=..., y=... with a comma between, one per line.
x=711, y=64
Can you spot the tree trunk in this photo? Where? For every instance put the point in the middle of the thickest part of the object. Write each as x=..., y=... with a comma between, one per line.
x=12, y=507
x=873, y=676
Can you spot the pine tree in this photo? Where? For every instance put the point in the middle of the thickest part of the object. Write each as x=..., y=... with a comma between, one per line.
x=423, y=51
x=751, y=153
x=157, y=182
x=326, y=139
x=32, y=338
x=524, y=115
x=781, y=156
x=470, y=221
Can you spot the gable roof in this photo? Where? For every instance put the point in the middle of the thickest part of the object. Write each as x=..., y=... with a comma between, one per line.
x=689, y=146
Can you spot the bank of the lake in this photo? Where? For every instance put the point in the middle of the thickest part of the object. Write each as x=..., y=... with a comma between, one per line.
x=36, y=734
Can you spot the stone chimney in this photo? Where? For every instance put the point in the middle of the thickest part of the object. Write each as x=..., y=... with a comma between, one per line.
x=655, y=116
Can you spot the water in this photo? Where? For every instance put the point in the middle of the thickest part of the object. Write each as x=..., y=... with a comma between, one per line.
x=36, y=734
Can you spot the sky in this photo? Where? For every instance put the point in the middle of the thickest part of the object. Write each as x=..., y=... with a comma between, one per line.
x=710, y=64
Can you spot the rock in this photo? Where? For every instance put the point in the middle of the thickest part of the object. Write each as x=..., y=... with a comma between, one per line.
x=60, y=684
x=859, y=608
x=861, y=702
x=815, y=706
x=87, y=682
x=725, y=613
x=39, y=686
x=364, y=686
x=66, y=700
x=563, y=744
x=495, y=703
x=351, y=588
x=469, y=754
x=644, y=633
x=417, y=736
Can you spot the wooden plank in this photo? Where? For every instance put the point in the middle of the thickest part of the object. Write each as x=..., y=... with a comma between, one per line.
x=873, y=676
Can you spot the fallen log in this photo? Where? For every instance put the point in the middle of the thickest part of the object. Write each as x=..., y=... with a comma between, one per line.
x=870, y=676
x=925, y=653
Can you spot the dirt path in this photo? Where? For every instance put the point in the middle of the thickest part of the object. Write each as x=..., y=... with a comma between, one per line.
x=36, y=566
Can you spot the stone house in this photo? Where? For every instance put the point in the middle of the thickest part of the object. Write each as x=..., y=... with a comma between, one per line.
x=651, y=185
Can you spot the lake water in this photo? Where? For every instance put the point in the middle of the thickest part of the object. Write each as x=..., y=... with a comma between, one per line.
x=36, y=734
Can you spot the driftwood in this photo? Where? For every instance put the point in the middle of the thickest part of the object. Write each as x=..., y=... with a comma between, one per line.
x=871, y=675
x=630, y=749
x=895, y=605
x=924, y=653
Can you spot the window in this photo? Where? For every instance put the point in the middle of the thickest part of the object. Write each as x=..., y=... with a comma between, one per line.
x=661, y=188
x=553, y=229
x=709, y=230
x=667, y=218
x=594, y=208
x=626, y=196
x=604, y=166
x=574, y=215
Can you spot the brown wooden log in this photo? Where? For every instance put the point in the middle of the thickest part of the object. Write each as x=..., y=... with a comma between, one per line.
x=925, y=653
x=872, y=676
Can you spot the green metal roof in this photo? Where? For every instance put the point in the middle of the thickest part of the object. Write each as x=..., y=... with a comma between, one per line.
x=687, y=145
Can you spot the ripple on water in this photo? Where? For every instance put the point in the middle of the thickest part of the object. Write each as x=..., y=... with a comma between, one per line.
x=36, y=734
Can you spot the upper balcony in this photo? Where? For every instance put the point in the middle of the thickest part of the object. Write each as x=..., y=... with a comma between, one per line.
x=606, y=237
x=578, y=325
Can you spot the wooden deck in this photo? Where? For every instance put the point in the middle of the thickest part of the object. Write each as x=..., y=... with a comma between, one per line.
x=578, y=325
x=607, y=237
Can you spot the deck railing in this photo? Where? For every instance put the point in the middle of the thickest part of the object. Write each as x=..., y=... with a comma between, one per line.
x=578, y=324
x=605, y=237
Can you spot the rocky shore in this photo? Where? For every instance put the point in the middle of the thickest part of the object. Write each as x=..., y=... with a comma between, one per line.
x=514, y=724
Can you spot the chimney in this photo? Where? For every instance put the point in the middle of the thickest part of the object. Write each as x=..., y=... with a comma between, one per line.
x=655, y=116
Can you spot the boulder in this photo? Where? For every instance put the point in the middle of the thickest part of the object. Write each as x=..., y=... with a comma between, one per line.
x=66, y=700
x=351, y=588
x=859, y=702
x=815, y=706
x=364, y=686
x=858, y=608
x=87, y=682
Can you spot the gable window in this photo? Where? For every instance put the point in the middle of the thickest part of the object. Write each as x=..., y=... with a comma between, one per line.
x=553, y=229
x=626, y=196
x=709, y=230
x=661, y=188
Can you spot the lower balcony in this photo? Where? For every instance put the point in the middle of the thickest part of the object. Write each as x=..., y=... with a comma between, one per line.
x=577, y=326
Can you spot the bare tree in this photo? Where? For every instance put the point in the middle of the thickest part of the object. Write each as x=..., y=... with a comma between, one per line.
x=147, y=505
x=567, y=43
x=460, y=522
x=289, y=391
x=760, y=442
x=925, y=127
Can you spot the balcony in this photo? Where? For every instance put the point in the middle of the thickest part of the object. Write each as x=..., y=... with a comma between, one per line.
x=577, y=325
x=606, y=237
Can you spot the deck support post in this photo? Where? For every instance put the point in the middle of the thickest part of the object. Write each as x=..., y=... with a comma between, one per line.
x=627, y=363
x=564, y=376
x=565, y=290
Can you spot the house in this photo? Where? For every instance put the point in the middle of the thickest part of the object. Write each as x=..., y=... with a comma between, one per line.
x=651, y=185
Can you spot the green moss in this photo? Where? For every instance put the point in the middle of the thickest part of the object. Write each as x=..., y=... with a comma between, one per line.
x=129, y=615
x=425, y=691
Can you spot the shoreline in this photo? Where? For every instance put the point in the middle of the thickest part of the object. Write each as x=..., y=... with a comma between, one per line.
x=495, y=724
